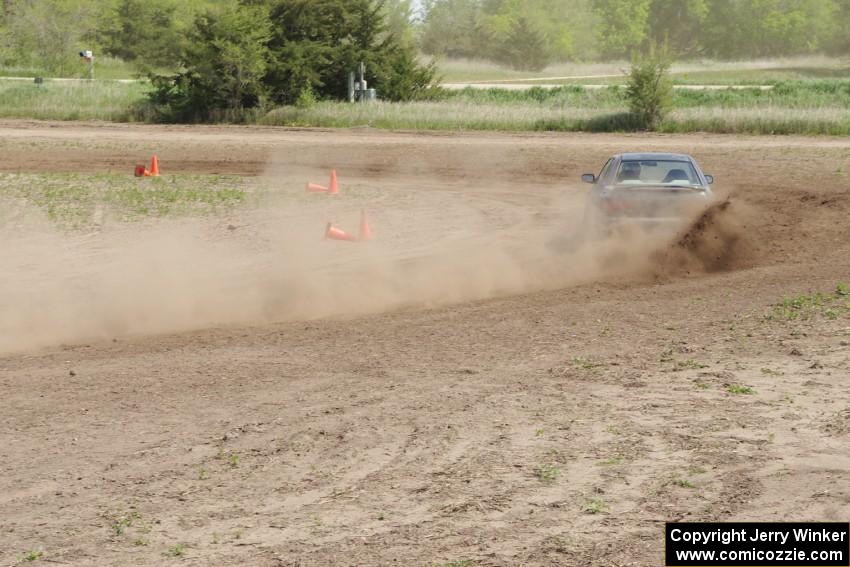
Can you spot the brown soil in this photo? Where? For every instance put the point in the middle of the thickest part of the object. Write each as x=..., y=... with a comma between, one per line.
x=450, y=391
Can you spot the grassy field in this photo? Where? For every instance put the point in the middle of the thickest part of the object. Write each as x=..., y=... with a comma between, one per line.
x=697, y=72
x=767, y=71
x=813, y=106
x=71, y=100
x=534, y=117
x=76, y=201
x=104, y=68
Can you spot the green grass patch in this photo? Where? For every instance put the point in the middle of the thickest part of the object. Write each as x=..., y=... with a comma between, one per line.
x=33, y=555
x=177, y=551
x=76, y=201
x=586, y=364
x=104, y=68
x=547, y=473
x=121, y=523
x=807, y=306
x=689, y=365
x=595, y=506
x=738, y=389
x=72, y=100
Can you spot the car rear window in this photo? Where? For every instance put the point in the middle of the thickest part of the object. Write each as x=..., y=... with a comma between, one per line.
x=656, y=172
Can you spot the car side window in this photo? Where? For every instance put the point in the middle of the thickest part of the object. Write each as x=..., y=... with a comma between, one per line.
x=605, y=169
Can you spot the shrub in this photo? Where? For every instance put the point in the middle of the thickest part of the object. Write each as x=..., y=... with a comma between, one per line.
x=650, y=89
x=306, y=98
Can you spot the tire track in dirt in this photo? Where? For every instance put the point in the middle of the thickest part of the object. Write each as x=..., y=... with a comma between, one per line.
x=425, y=436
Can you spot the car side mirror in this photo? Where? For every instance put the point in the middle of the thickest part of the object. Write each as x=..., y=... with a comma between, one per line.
x=710, y=179
x=588, y=178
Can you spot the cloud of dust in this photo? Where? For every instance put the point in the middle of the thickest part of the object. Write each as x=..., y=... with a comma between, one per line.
x=432, y=247
x=716, y=239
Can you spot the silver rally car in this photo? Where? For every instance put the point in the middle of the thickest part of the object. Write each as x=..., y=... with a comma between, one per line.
x=647, y=189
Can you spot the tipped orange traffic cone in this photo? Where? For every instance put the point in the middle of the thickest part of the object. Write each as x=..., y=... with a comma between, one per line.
x=333, y=189
x=365, y=231
x=334, y=233
x=154, y=167
x=316, y=188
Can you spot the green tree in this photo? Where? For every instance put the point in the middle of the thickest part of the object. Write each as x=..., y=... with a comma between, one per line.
x=769, y=28
x=514, y=35
x=552, y=23
x=142, y=31
x=525, y=47
x=451, y=28
x=678, y=23
x=399, y=18
x=316, y=43
x=239, y=56
x=622, y=26
x=838, y=40
x=524, y=34
x=49, y=35
x=225, y=63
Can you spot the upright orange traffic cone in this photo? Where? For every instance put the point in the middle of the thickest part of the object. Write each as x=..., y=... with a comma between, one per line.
x=154, y=167
x=334, y=233
x=333, y=188
x=365, y=231
x=316, y=188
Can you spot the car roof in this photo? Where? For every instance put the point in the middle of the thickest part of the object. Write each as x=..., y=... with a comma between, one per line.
x=654, y=156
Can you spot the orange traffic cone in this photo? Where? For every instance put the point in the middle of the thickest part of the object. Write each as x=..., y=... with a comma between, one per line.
x=154, y=167
x=316, y=188
x=334, y=233
x=333, y=189
x=365, y=231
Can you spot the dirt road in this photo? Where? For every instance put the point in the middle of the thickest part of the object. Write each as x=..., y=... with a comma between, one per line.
x=533, y=417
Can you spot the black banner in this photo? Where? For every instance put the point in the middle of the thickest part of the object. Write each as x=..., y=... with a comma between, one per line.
x=755, y=544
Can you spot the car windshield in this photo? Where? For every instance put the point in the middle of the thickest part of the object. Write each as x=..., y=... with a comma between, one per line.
x=656, y=172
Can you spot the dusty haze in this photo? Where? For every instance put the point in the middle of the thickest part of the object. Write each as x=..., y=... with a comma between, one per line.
x=271, y=263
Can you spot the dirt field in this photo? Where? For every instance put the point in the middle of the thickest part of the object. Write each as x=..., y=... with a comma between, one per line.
x=452, y=392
